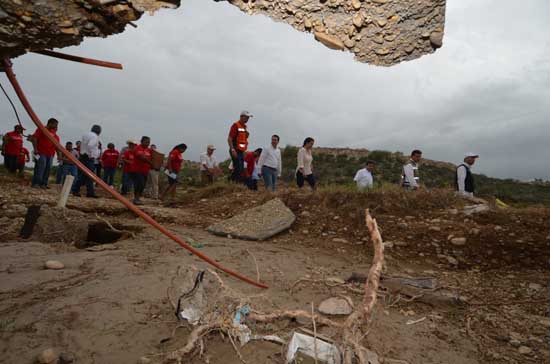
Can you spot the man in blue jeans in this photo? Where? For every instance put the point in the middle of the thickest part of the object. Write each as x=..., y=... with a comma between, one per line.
x=89, y=150
x=43, y=153
x=270, y=163
x=68, y=168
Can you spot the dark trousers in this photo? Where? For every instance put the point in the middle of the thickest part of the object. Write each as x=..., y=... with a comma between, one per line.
x=59, y=174
x=126, y=183
x=252, y=183
x=66, y=170
x=139, y=180
x=83, y=179
x=109, y=175
x=238, y=167
x=300, y=179
x=97, y=169
x=42, y=169
x=10, y=161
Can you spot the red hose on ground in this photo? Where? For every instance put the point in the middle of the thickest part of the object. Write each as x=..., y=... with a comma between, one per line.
x=104, y=186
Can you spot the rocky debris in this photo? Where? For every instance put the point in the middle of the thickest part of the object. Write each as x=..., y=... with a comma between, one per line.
x=475, y=209
x=34, y=26
x=144, y=360
x=67, y=358
x=458, y=241
x=258, y=223
x=525, y=350
x=48, y=356
x=335, y=306
x=53, y=264
x=378, y=32
x=535, y=287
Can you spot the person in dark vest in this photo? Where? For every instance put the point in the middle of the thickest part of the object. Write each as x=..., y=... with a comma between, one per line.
x=410, y=180
x=464, y=179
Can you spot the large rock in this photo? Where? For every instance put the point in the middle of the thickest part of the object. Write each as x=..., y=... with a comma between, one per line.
x=258, y=223
x=335, y=306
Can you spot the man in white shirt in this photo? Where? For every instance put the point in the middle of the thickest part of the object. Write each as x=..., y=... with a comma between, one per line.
x=364, y=178
x=270, y=164
x=209, y=165
x=410, y=178
x=464, y=179
x=89, y=149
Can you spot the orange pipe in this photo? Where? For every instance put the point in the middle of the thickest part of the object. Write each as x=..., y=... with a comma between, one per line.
x=104, y=186
x=70, y=57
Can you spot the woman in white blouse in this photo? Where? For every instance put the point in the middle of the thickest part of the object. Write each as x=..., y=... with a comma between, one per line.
x=304, y=172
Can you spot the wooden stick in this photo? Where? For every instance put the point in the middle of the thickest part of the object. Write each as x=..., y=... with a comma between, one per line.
x=314, y=333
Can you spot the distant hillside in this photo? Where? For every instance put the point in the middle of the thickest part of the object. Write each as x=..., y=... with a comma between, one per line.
x=338, y=166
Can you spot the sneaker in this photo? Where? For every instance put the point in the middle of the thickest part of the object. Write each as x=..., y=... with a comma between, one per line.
x=45, y=187
x=137, y=202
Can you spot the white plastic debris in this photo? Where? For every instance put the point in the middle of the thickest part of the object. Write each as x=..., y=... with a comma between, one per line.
x=475, y=209
x=325, y=352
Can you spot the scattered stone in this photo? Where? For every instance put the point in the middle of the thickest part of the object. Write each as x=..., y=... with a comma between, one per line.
x=535, y=286
x=452, y=211
x=435, y=228
x=340, y=240
x=458, y=241
x=524, y=350
x=498, y=228
x=515, y=343
x=48, y=356
x=144, y=360
x=335, y=280
x=401, y=243
x=436, y=38
x=388, y=244
x=67, y=358
x=475, y=231
x=258, y=223
x=545, y=322
x=402, y=225
x=306, y=213
x=356, y=4
x=410, y=217
x=54, y=264
x=330, y=41
x=335, y=306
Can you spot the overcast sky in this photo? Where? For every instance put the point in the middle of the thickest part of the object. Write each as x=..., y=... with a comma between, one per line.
x=189, y=72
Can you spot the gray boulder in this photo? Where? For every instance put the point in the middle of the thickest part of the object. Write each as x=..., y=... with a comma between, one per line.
x=258, y=223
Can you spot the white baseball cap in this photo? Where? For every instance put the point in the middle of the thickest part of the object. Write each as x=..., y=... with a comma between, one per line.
x=246, y=113
x=471, y=155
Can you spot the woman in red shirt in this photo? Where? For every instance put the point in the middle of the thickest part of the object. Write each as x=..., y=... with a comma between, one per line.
x=13, y=142
x=109, y=161
x=173, y=167
x=44, y=151
x=142, y=166
x=127, y=167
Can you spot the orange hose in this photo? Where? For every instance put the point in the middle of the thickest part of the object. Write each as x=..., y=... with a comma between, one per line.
x=70, y=57
x=104, y=186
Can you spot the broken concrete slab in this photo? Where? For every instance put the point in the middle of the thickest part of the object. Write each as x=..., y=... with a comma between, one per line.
x=335, y=306
x=258, y=223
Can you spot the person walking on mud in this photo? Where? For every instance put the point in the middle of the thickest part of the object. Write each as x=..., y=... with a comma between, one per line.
x=304, y=170
x=142, y=166
x=43, y=153
x=270, y=164
x=89, y=150
x=11, y=148
x=238, y=145
x=410, y=179
x=173, y=168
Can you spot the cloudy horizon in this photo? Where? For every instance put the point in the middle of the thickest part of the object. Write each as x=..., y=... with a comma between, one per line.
x=189, y=72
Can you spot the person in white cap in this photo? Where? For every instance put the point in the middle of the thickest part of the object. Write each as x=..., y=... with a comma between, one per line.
x=209, y=165
x=238, y=145
x=464, y=179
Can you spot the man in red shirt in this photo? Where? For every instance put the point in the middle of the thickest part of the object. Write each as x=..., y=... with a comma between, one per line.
x=127, y=162
x=22, y=158
x=250, y=173
x=173, y=167
x=238, y=144
x=11, y=147
x=142, y=166
x=43, y=152
x=109, y=161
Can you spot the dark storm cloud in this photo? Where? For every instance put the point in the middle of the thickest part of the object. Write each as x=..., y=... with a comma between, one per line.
x=189, y=72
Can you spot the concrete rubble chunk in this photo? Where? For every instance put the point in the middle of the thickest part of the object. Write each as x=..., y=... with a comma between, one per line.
x=408, y=29
x=258, y=223
x=335, y=306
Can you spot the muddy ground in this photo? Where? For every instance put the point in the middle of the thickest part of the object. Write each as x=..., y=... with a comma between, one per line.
x=111, y=304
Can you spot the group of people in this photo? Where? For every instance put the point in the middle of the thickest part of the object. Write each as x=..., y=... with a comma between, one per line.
x=410, y=176
x=140, y=167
